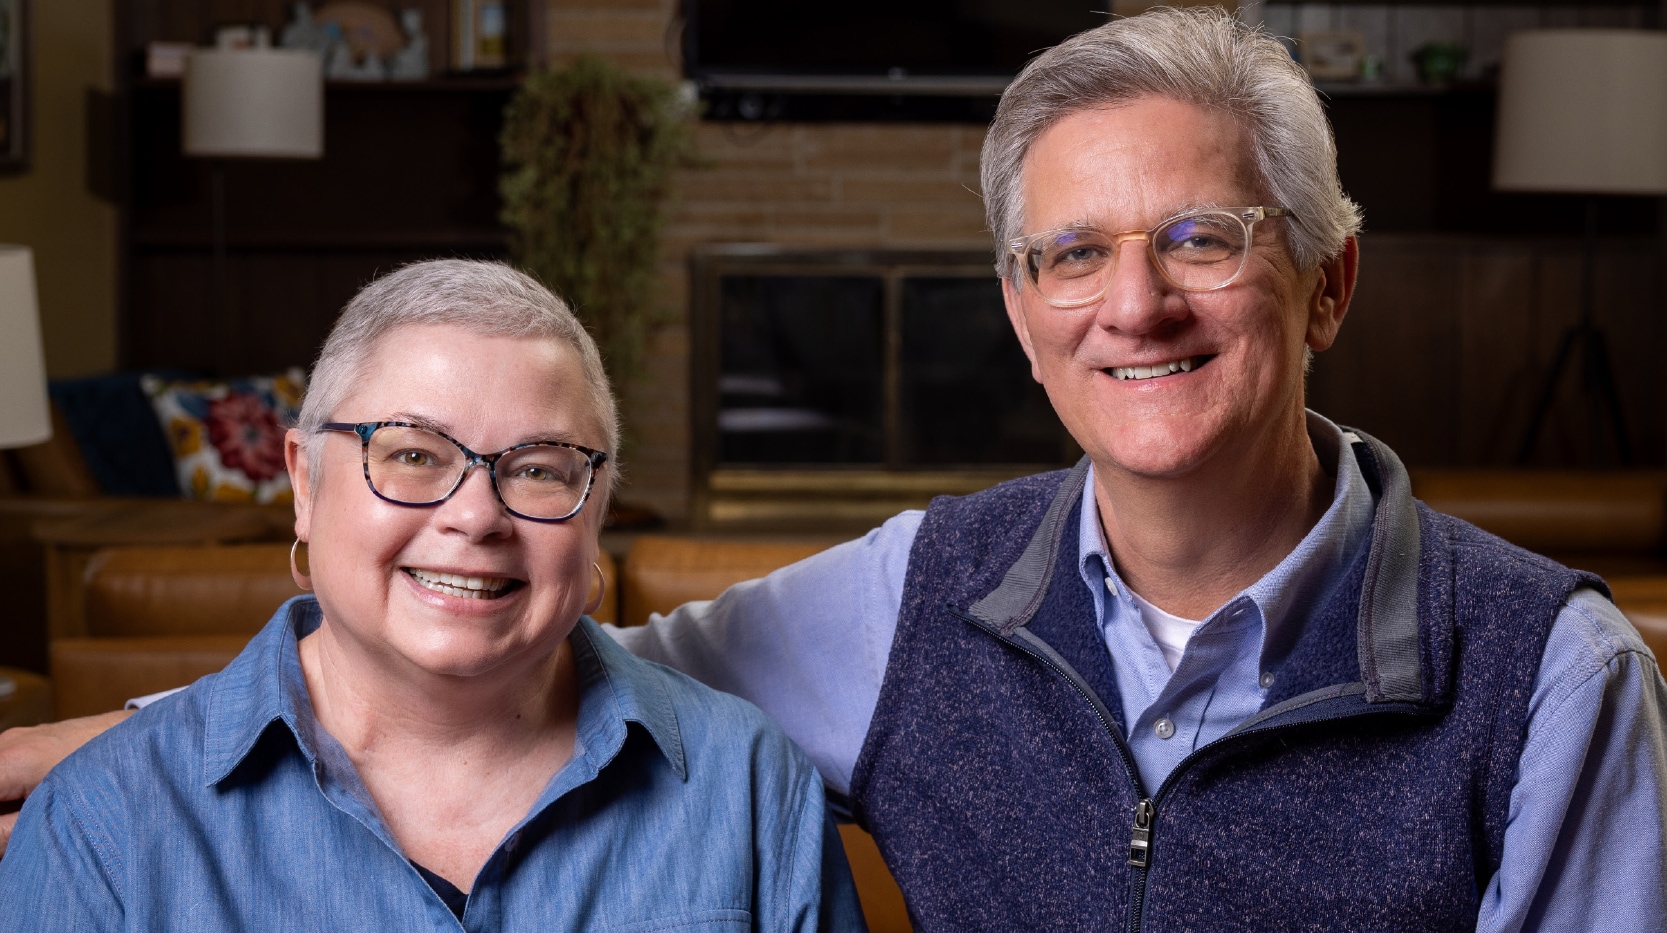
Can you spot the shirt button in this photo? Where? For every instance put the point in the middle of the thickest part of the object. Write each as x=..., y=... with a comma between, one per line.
x=1111, y=585
x=1164, y=728
x=1267, y=679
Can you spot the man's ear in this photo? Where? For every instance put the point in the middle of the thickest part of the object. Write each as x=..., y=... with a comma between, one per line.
x=1021, y=327
x=295, y=459
x=1333, y=290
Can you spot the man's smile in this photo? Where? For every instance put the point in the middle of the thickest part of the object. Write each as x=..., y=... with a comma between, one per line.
x=1183, y=365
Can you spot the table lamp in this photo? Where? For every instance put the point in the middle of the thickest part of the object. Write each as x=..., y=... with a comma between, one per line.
x=249, y=104
x=1583, y=111
x=24, y=416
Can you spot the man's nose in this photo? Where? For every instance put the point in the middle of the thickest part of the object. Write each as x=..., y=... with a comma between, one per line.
x=1138, y=298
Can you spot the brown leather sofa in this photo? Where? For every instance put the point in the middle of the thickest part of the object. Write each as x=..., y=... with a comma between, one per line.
x=161, y=617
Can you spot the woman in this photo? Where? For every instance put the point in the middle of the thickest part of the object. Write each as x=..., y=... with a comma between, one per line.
x=435, y=735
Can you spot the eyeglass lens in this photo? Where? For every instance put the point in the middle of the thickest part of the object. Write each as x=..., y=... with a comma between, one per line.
x=1196, y=252
x=413, y=466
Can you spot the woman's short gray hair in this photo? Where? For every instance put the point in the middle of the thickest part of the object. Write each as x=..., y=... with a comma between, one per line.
x=487, y=298
x=1199, y=55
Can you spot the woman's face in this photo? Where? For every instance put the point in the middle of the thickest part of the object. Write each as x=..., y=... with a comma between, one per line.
x=376, y=566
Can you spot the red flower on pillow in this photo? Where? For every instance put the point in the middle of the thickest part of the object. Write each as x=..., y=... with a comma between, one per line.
x=247, y=434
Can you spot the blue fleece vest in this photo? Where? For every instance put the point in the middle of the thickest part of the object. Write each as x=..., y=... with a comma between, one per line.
x=1370, y=793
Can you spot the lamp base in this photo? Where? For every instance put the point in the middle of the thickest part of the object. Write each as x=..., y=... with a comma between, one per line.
x=1598, y=384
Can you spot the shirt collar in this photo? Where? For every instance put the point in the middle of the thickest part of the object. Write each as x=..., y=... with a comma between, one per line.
x=1306, y=574
x=264, y=684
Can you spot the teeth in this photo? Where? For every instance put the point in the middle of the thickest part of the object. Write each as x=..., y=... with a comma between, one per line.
x=454, y=584
x=1147, y=372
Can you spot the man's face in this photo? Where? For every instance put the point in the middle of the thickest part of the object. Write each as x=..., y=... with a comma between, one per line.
x=1127, y=168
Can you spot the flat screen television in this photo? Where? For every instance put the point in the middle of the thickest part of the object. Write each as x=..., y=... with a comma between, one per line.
x=941, y=47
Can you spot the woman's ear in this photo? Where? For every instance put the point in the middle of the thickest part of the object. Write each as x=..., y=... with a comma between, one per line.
x=300, y=481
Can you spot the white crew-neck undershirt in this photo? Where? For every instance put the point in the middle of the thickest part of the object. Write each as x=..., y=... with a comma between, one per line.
x=1171, y=632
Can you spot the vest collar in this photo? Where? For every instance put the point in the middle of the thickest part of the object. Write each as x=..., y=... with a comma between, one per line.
x=1387, y=621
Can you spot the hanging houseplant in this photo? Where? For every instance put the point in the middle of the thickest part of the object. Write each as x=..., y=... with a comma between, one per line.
x=588, y=152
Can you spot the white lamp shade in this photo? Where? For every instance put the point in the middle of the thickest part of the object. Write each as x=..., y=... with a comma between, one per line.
x=1583, y=111
x=254, y=103
x=24, y=416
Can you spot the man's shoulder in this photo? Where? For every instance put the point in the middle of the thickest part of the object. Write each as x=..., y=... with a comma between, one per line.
x=162, y=740
x=1486, y=552
x=708, y=722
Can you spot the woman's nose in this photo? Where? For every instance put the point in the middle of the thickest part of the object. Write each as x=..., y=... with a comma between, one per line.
x=475, y=509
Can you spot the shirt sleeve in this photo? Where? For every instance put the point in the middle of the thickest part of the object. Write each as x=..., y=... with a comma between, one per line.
x=1583, y=842
x=53, y=876
x=808, y=644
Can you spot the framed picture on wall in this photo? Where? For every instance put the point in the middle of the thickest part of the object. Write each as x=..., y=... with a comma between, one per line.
x=14, y=85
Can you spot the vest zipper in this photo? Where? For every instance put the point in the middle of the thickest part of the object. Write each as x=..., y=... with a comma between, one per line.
x=1145, y=808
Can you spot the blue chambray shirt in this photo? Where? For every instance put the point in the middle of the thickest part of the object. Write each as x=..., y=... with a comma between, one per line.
x=227, y=807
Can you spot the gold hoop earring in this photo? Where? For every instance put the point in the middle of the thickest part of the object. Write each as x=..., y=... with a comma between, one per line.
x=302, y=580
x=593, y=601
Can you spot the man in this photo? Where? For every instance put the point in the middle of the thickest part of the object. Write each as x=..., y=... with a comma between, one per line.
x=1225, y=674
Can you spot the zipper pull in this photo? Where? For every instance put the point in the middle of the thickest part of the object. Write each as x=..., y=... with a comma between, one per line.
x=1141, y=844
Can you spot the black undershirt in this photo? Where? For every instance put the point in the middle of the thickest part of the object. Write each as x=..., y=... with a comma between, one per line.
x=454, y=898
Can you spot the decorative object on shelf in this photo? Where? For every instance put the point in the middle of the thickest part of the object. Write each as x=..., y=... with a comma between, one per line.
x=369, y=29
x=14, y=85
x=480, y=35
x=360, y=39
x=252, y=103
x=24, y=416
x=166, y=59
x=340, y=65
x=1583, y=111
x=228, y=436
x=1333, y=56
x=304, y=32
x=253, y=36
x=1438, y=63
x=411, y=62
x=589, y=151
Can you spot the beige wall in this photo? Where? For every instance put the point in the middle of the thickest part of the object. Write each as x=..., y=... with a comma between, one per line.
x=49, y=208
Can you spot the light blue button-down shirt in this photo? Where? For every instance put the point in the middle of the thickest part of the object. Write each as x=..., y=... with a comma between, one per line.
x=227, y=807
x=1584, y=842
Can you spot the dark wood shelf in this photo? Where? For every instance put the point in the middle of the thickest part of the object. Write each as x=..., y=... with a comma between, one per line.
x=452, y=84
x=466, y=240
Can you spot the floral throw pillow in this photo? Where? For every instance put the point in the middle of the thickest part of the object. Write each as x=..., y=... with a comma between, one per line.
x=228, y=436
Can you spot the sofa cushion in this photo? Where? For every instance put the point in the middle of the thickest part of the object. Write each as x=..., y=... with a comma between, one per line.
x=228, y=436
x=113, y=430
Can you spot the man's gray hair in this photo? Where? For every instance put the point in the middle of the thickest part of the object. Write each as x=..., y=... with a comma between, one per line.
x=1198, y=55
x=486, y=298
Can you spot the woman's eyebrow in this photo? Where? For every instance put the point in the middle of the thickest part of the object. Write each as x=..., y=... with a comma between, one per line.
x=421, y=422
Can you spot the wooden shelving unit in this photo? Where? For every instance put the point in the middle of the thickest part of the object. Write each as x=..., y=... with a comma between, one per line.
x=410, y=171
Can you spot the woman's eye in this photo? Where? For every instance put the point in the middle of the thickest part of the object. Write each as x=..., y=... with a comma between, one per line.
x=415, y=458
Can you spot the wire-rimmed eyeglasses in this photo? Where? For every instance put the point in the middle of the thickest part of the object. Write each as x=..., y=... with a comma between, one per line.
x=407, y=464
x=1195, y=251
